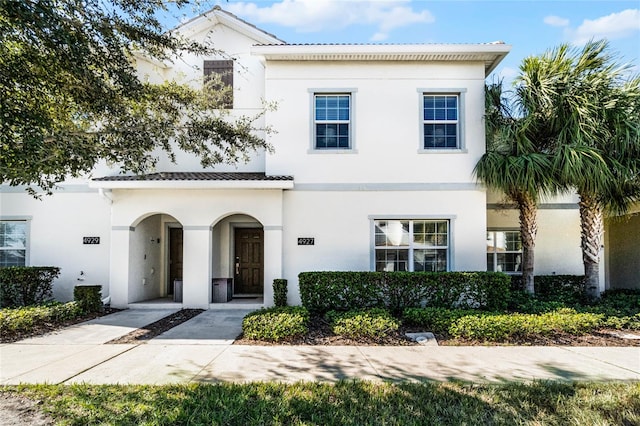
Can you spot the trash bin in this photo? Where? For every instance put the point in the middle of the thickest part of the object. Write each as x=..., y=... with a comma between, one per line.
x=221, y=290
x=177, y=291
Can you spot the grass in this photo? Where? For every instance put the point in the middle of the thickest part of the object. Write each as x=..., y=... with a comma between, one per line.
x=344, y=403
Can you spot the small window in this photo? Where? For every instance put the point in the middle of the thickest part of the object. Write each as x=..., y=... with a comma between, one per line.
x=411, y=245
x=13, y=243
x=223, y=80
x=332, y=121
x=504, y=252
x=440, y=121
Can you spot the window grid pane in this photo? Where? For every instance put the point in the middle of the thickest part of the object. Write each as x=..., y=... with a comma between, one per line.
x=440, y=121
x=504, y=251
x=425, y=242
x=332, y=117
x=13, y=242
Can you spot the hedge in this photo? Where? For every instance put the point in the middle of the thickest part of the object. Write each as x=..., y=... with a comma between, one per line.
x=362, y=323
x=280, y=292
x=274, y=324
x=27, y=319
x=568, y=289
x=26, y=285
x=324, y=291
x=88, y=297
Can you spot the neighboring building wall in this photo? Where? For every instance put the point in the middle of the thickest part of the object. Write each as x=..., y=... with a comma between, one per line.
x=57, y=226
x=622, y=245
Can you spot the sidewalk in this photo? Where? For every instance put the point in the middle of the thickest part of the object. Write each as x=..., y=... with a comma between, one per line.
x=201, y=350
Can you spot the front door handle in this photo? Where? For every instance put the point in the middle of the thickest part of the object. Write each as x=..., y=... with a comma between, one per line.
x=237, y=266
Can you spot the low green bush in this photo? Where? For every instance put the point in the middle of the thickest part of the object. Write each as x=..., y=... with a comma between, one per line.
x=27, y=319
x=436, y=320
x=526, y=303
x=26, y=285
x=565, y=289
x=363, y=323
x=342, y=291
x=504, y=327
x=88, y=297
x=280, y=292
x=275, y=324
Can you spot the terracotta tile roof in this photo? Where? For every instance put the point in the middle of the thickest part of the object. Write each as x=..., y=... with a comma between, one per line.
x=194, y=176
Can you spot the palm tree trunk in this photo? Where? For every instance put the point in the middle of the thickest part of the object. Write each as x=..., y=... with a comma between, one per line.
x=592, y=229
x=528, y=230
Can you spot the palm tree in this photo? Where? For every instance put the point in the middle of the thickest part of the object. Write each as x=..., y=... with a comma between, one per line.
x=514, y=165
x=587, y=115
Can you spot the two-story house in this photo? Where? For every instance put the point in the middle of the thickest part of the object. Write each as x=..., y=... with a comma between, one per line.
x=371, y=170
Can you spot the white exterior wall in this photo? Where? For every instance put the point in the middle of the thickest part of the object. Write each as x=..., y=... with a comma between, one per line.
x=386, y=121
x=56, y=227
x=341, y=223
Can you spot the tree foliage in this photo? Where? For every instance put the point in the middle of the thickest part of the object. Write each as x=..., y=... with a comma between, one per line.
x=71, y=96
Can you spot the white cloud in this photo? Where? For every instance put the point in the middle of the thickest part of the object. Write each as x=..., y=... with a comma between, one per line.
x=319, y=15
x=614, y=26
x=556, y=21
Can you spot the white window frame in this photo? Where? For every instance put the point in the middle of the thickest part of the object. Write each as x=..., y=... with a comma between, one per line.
x=411, y=247
x=460, y=128
x=313, y=149
x=495, y=252
x=27, y=222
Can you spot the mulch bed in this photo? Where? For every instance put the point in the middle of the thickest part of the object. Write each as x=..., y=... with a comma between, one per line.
x=320, y=334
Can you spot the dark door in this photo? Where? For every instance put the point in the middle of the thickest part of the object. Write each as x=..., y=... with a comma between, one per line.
x=249, y=261
x=175, y=256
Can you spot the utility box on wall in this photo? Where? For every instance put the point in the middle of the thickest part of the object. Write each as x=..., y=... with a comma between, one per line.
x=221, y=290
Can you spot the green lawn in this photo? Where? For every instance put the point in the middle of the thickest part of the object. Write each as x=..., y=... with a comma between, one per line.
x=345, y=403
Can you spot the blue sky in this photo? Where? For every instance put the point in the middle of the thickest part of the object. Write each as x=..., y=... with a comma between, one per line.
x=531, y=27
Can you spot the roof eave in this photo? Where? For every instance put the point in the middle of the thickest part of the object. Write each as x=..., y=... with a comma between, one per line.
x=192, y=184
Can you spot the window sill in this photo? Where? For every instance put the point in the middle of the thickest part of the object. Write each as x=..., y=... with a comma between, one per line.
x=332, y=151
x=443, y=151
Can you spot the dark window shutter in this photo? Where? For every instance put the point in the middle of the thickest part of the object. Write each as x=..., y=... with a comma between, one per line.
x=223, y=68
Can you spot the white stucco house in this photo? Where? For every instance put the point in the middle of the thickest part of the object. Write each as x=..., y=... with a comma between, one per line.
x=371, y=170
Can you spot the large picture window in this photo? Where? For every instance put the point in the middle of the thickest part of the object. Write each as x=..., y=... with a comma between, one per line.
x=332, y=121
x=411, y=245
x=13, y=243
x=504, y=252
x=440, y=121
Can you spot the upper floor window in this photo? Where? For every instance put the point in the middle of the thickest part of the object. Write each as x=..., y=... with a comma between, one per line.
x=223, y=72
x=411, y=245
x=504, y=251
x=441, y=121
x=332, y=121
x=13, y=243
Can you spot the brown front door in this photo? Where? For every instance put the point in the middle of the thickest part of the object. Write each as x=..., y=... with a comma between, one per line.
x=175, y=256
x=249, y=261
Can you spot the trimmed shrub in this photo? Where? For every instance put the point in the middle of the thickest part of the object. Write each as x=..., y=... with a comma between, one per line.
x=280, y=292
x=89, y=297
x=523, y=302
x=566, y=289
x=436, y=320
x=26, y=285
x=27, y=319
x=275, y=324
x=395, y=291
x=504, y=327
x=364, y=323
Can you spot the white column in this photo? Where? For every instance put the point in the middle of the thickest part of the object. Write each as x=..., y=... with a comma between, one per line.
x=272, y=260
x=196, y=272
x=119, y=266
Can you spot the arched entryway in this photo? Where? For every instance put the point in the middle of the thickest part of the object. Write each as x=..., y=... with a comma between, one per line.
x=238, y=253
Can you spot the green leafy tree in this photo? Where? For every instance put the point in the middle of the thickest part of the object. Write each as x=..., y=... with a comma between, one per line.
x=590, y=107
x=71, y=96
x=515, y=165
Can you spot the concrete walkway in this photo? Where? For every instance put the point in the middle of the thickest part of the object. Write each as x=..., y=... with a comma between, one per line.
x=201, y=350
